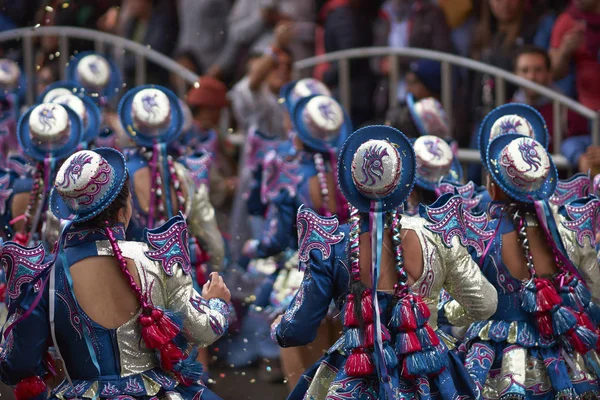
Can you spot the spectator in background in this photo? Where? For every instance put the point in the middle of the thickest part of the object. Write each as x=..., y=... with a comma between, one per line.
x=255, y=98
x=576, y=38
x=533, y=63
x=187, y=59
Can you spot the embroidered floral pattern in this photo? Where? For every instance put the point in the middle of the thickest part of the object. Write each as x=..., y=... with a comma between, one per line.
x=583, y=220
x=170, y=242
x=22, y=266
x=571, y=189
x=199, y=168
x=291, y=311
x=278, y=175
x=316, y=233
x=222, y=308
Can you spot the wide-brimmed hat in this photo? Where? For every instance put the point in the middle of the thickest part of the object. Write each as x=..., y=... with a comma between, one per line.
x=377, y=163
x=86, y=109
x=294, y=91
x=97, y=74
x=60, y=88
x=151, y=114
x=87, y=183
x=429, y=116
x=435, y=161
x=208, y=92
x=11, y=77
x=49, y=130
x=522, y=167
x=321, y=123
x=512, y=118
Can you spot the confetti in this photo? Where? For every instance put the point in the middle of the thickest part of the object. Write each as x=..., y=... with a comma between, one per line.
x=49, y=9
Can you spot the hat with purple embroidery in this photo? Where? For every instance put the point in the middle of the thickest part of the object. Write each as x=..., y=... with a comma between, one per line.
x=429, y=116
x=87, y=183
x=292, y=92
x=321, y=123
x=376, y=164
x=60, y=88
x=151, y=115
x=435, y=161
x=98, y=75
x=10, y=75
x=512, y=118
x=521, y=166
x=49, y=130
x=86, y=109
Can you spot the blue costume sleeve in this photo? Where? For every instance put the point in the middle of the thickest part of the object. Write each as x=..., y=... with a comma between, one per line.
x=278, y=233
x=574, y=147
x=254, y=203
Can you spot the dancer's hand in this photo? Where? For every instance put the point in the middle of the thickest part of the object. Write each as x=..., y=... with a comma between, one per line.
x=215, y=288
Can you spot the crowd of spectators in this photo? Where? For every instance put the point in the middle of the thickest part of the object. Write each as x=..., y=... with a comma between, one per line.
x=250, y=46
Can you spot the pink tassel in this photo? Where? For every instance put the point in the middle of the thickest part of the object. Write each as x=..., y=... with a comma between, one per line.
x=359, y=364
x=385, y=334
x=370, y=336
x=547, y=297
x=168, y=327
x=367, y=307
x=169, y=356
x=544, y=324
x=30, y=388
x=422, y=312
x=584, y=320
x=152, y=336
x=349, y=314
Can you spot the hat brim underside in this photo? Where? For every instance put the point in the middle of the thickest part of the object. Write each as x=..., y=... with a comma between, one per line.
x=540, y=130
x=166, y=135
x=36, y=151
x=454, y=176
x=493, y=155
x=410, y=102
x=117, y=162
x=114, y=82
x=407, y=173
x=314, y=143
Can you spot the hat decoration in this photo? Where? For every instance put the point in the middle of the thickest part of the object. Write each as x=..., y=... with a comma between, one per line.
x=429, y=116
x=512, y=118
x=435, y=161
x=60, y=88
x=85, y=108
x=294, y=91
x=98, y=75
x=522, y=168
x=10, y=75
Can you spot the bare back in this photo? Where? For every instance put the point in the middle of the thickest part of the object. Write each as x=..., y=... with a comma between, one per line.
x=103, y=292
x=317, y=197
x=388, y=277
x=513, y=254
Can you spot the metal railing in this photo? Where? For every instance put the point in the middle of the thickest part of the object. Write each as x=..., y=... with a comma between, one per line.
x=343, y=57
x=102, y=41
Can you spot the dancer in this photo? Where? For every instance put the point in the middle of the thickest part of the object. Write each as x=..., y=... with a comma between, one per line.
x=12, y=87
x=392, y=280
x=540, y=342
x=137, y=341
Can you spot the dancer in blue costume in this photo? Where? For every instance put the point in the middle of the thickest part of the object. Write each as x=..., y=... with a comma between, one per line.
x=131, y=344
x=12, y=88
x=541, y=342
x=48, y=133
x=387, y=286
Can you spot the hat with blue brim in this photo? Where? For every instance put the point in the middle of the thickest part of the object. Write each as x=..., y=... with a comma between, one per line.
x=294, y=91
x=49, y=130
x=376, y=164
x=522, y=167
x=97, y=74
x=321, y=123
x=429, y=116
x=86, y=109
x=512, y=118
x=435, y=162
x=151, y=114
x=60, y=88
x=87, y=183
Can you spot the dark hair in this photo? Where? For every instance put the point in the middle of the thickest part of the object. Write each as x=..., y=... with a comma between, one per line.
x=532, y=49
x=111, y=212
x=187, y=53
x=426, y=197
x=401, y=119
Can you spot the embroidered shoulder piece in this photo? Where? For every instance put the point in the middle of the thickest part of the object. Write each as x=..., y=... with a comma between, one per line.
x=278, y=175
x=19, y=165
x=170, y=244
x=582, y=218
x=466, y=191
x=596, y=186
x=23, y=266
x=5, y=190
x=316, y=233
x=574, y=188
x=449, y=218
x=199, y=167
x=258, y=146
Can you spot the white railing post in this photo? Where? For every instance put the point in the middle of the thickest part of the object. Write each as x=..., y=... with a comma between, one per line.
x=29, y=68
x=344, y=83
x=394, y=79
x=500, y=87
x=557, y=125
x=63, y=48
x=140, y=69
x=447, y=90
x=596, y=129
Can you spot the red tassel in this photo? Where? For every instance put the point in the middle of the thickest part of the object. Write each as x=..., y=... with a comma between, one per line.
x=30, y=388
x=152, y=336
x=359, y=364
x=407, y=343
x=584, y=320
x=169, y=356
x=407, y=320
x=367, y=307
x=421, y=308
x=370, y=336
x=547, y=297
x=433, y=337
x=168, y=327
x=22, y=239
x=544, y=324
x=349, y=314
x=385, y=334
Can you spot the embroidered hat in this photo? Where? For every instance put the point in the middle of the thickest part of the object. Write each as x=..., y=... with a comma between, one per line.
x=87, y=183
x=49, y=130
x=293, y=91
x=512, y=118
x=10, y=75
x=60, y=88
x=429, y=116
x=98, y=75
x=86, y=109
x=435, y=161
x=522, y=167
x=321, y=123
x=377, y=163
x=151, y=114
